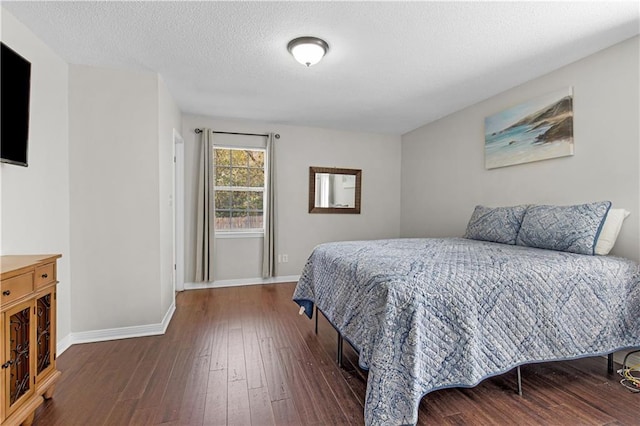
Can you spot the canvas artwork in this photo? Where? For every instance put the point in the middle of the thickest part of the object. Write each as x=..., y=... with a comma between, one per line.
x=536, y=130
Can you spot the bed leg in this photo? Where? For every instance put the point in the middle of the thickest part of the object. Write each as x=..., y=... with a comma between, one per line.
x=610, y=363
x=339, y=357
x=316, y=319
x=519, y=381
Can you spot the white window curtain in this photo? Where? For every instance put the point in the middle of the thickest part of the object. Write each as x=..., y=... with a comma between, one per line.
x=206, y=210
x=324, y=183
x=268, y=250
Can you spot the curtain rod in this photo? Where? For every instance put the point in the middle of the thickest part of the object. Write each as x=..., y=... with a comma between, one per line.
x=277, y=136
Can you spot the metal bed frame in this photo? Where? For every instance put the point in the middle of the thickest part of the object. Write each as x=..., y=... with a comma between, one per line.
x=519, y=376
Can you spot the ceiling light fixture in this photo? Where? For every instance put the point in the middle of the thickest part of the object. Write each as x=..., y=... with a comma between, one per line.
x=308, y=50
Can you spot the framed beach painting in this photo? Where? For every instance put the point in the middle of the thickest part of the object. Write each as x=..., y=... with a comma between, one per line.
x=535, y=130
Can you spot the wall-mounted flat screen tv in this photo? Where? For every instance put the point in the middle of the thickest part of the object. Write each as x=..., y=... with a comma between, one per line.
x=15, y=89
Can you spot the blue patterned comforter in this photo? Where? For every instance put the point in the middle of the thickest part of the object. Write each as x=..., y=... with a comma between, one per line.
x=427, y=314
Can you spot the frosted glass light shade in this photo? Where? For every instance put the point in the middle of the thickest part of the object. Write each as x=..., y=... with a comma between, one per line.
x=308, y=50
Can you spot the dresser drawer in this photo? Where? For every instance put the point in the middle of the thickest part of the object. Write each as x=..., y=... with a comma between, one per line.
x=45, y=274
x=16, y=287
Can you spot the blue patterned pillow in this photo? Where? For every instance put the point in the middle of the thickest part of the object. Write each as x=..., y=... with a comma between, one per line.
x=497, y=224
x=565, y=228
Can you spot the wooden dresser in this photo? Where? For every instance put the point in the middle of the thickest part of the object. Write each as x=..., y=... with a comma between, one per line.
x=28, y=341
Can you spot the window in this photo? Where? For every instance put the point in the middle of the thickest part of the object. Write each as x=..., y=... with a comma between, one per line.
x=239, y=189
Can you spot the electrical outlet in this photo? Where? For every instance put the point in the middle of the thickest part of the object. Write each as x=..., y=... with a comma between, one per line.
x=285, y=258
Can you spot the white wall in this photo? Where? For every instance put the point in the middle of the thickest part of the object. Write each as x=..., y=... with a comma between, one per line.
x=443, y=174
x=169, y=118
x=115, y=232
x=35, y=199
x=297, y=231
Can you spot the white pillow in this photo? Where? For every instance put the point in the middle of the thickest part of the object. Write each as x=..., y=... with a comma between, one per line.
x=610, y=230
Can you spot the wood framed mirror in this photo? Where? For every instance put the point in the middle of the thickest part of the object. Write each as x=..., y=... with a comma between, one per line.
x=333, y=190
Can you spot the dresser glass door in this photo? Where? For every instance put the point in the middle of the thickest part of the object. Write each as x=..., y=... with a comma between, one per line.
x=44, y=333
x=18, y=365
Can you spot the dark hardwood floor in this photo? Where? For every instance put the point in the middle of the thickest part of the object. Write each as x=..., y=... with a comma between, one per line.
x=243, y=356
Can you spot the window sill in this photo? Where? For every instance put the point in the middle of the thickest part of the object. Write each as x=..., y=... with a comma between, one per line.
x=230, y=235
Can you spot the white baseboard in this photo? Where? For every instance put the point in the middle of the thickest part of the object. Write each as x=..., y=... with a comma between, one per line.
x=63, y=344
x=241, y=282
x=116, y=333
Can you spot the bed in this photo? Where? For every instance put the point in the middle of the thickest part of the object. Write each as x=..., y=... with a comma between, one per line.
x=428, y=314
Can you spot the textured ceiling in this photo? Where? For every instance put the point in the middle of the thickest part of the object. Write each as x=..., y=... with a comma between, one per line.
x=392, y=66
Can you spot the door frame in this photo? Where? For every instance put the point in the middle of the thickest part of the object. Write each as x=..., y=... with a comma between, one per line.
x=178, y=211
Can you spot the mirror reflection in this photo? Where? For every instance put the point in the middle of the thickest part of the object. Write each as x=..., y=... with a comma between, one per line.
x=333, y=190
